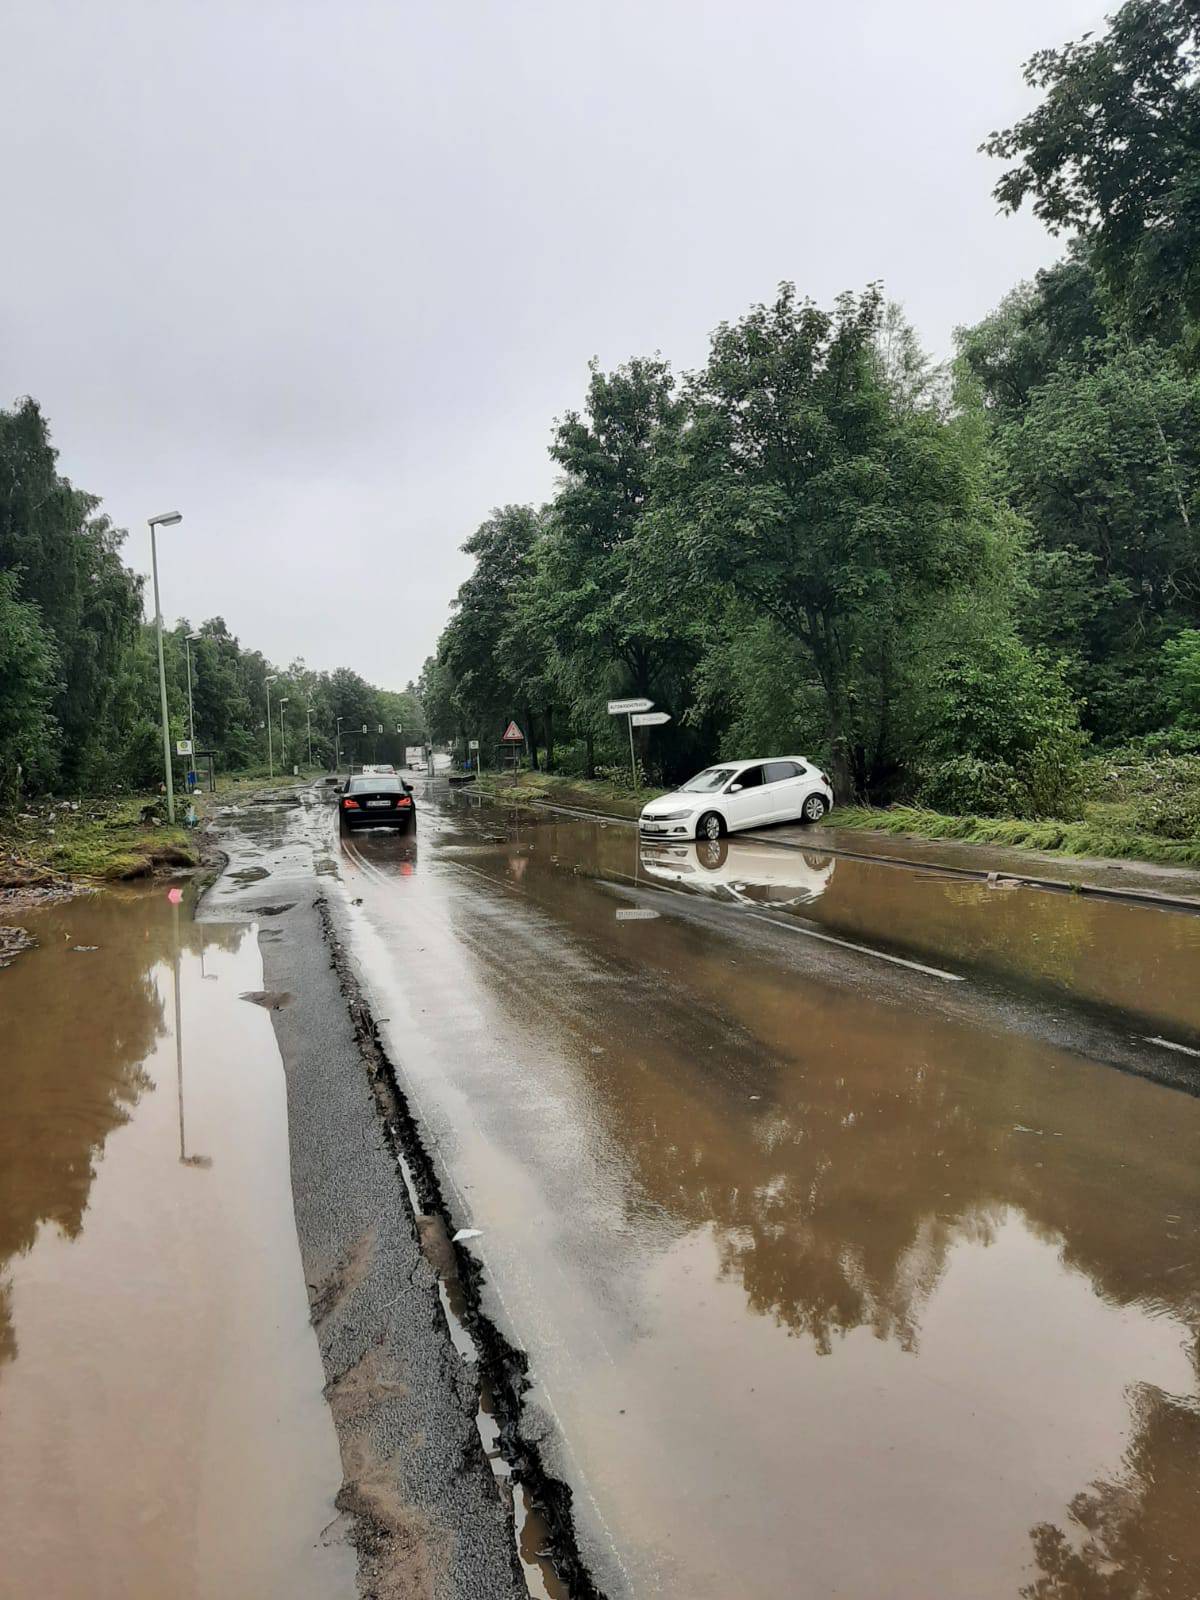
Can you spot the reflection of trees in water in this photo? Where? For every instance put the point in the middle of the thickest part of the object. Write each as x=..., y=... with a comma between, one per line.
x=1138, y=1537
x=78, y=1028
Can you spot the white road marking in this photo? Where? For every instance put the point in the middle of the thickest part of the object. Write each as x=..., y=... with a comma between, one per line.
x=862, y=949
x=1169, y=1044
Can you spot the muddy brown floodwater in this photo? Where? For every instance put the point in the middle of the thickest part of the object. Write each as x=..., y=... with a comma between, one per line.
x=837, y=1277
x=162, y=1428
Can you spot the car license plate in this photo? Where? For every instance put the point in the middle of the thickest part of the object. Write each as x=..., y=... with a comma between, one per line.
x=654, y=827
x=379, y=802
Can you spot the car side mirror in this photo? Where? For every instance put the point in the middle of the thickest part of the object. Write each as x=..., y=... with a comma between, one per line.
x=408, y=788
x=735, y=788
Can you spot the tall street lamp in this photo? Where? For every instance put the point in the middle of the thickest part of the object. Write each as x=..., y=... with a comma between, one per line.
x=282, y=735
x=188, y=640
x=167, y=519
x=270, y=751
x=308, y=714
x=337, y=743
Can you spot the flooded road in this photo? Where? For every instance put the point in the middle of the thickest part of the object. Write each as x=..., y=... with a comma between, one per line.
x=846, y=1261
x=162, y=1428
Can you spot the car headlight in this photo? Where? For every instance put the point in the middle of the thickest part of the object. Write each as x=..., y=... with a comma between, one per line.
x=667, y=816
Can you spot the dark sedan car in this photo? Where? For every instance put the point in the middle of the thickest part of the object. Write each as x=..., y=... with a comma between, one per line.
x=375, y=801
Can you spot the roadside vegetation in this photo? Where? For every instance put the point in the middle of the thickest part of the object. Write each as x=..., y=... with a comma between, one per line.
x=969, y=590
x=1135, y=807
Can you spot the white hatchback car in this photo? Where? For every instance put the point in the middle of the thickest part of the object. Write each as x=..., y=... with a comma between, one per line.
x=737, y=795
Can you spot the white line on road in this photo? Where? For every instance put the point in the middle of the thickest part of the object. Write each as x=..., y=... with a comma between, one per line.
x=1169, y=1044
x=863, y=949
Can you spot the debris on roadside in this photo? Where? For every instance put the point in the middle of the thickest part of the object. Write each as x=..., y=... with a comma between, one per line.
x=12, y=942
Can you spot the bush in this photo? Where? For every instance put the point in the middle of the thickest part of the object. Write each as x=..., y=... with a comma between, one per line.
x=1002, y=737
x=967, y=785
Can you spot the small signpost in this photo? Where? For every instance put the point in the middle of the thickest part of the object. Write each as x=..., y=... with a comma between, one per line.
x=641, y=714
x=183, y=747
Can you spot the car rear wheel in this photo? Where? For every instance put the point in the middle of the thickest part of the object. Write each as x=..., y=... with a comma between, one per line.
x=814, y=808
x=710, y=826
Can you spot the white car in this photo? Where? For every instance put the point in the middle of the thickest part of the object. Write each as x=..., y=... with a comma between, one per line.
x=379, y=771
x=737, y=795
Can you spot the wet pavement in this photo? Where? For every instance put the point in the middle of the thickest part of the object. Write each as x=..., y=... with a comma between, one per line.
x=162, y=1428
x=847, y=1215
x=850, y=1253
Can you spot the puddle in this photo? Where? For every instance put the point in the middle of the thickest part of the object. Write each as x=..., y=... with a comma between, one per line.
x=821, y=1290
x=162, y=1429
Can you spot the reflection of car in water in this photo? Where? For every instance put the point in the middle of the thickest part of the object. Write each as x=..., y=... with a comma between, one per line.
x=759, y=874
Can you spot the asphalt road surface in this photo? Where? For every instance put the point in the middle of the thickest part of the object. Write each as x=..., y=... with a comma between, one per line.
x=847, y=1215
x=828, y=1227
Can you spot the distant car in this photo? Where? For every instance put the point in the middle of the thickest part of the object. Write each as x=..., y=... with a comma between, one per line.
x=376, y=801
x=379, y=772
x=740, y=794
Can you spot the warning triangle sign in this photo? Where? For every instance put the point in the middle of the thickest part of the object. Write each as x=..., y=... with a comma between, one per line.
x=512, y=735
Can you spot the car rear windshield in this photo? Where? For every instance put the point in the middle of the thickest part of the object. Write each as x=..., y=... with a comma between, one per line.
x=379, y=785
x=706, y=782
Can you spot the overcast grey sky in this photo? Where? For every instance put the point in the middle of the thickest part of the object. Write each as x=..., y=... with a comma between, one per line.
x=322, y=275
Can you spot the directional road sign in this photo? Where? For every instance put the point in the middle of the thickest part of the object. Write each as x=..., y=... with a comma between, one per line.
x=650, y=719
x=620, y=708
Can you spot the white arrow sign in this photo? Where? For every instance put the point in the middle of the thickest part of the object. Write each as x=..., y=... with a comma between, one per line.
x=621, y=708
x=650, y=719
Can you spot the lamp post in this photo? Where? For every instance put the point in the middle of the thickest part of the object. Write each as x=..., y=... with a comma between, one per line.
x=166, y=519
x=270, y=751
x=282, y=734
x=308, y=714
x=188, y=639
x=337, y=743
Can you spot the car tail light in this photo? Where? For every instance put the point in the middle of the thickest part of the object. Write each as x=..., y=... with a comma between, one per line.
x=349, y=805
x=404, y=801
x=825, y=781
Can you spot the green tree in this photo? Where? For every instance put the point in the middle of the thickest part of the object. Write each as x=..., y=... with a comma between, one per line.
x=828, y=503
x=1113, y=151
x=28, y=683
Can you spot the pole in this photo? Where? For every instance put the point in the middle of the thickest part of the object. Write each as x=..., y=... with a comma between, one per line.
x=337, y=744
x=632, y=757
x=178, y=1035
x=282, y=735
x=191, y=709
x=162, y=683
x=270, y=749
x=310, y=760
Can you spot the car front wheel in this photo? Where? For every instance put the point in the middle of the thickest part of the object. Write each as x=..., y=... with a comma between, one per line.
x=814, y=808
x=710, y=826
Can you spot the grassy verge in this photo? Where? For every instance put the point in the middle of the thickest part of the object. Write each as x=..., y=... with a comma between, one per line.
x=586, y=794
x=101, y=840
x=1096, y=835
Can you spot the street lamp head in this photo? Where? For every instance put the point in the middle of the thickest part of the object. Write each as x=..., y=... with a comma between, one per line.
x=166, y=519
x=272, y=677
x=193, y=636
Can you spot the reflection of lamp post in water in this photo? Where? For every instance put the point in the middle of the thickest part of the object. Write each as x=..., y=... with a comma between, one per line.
x=175, y=896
